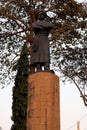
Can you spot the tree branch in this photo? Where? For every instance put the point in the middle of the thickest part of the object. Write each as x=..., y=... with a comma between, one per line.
x=15, y=19
x=11, y=34
x=82, y=95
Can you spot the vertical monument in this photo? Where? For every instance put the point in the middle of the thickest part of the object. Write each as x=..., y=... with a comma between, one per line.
x=43, y=112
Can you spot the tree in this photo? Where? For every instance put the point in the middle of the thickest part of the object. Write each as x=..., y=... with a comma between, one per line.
x=20, y=92
x=68, y=42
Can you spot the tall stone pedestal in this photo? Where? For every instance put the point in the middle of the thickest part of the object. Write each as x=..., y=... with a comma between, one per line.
x=43, y=111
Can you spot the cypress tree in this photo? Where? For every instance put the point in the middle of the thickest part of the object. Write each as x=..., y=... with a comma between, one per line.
x=20, y=92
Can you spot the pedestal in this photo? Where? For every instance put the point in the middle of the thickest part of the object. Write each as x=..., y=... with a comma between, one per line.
x=43, y=112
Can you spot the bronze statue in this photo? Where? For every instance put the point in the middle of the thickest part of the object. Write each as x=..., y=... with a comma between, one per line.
x=40, y=49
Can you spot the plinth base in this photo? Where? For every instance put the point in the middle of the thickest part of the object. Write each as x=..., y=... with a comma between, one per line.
x=43, y=111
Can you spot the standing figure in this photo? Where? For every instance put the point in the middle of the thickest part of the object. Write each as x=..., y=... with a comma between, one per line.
x=40, y=55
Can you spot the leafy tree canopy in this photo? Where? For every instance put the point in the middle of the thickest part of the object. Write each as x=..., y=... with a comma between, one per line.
x=68, y=39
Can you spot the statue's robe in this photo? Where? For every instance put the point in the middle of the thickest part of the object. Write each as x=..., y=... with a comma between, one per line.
x=40, y=47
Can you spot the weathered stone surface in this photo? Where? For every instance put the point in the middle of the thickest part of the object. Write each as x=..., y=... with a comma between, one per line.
x=43, y=111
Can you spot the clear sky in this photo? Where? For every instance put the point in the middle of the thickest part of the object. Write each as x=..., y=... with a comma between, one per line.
x=80, y=0
x=72, y=107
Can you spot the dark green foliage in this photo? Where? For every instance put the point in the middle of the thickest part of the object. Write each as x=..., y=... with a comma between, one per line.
x=20, y=92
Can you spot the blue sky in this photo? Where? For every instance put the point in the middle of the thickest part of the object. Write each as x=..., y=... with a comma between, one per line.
x=72, y=107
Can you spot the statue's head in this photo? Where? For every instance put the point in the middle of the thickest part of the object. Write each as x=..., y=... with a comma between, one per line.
x=42, y=15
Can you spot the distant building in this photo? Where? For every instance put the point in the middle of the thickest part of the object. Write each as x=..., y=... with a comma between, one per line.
x=78, y=125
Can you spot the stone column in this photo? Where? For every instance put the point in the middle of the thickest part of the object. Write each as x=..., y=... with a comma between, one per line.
x=43, y=112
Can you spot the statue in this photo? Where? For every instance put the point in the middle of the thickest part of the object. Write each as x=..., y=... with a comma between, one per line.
x=40, y=55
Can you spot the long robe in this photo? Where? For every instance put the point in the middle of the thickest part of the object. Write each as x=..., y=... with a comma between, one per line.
x=40, y=47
